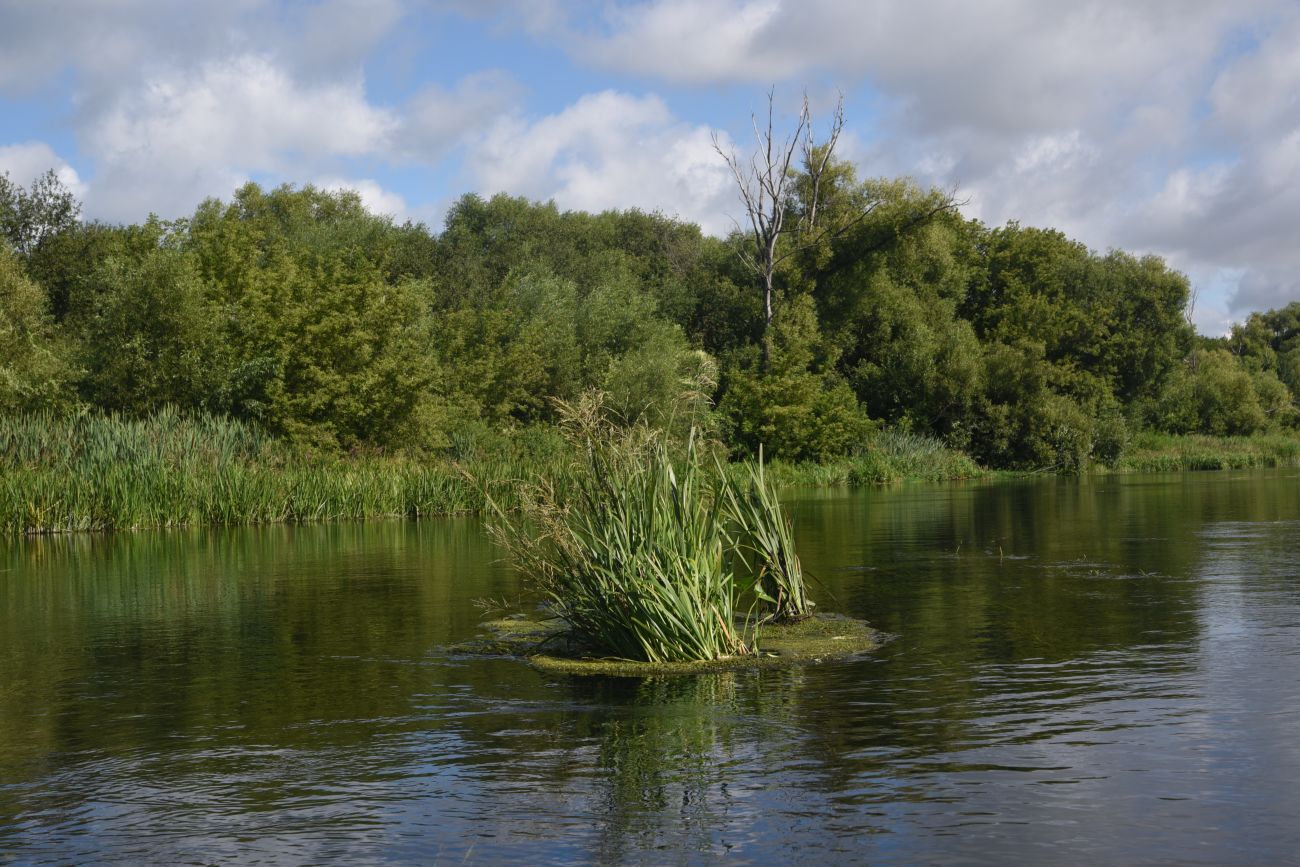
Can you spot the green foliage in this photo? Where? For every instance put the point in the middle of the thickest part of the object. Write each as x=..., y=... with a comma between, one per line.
x=1214, y=393
x=543, y=337
x=1268, y=344
x=66, y=264
x=297, y=311
x=30, y=217
x=315, y=342
x=149, y=336
x=888, y=300
x=1117, y=318
x=1036, y=415
x=34, y=371
x=484, y=241
x=799, y=409
x=644, y=553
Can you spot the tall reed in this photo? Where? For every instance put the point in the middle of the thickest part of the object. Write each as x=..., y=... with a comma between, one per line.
x=763, y=540
x=649, y=552
x=108, y=472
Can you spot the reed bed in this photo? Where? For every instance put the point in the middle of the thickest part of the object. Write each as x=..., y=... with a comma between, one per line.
x=112, y=473
x=1153, y=452
x=890, y=456
x=97, y=472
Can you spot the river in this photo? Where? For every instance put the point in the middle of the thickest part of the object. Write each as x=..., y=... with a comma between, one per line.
x=1104, y=670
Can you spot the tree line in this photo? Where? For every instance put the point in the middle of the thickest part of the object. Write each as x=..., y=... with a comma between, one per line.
x=297, y=310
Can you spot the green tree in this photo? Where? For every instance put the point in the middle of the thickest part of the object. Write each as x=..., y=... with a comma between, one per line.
x=888, y=294
x=34, y=367
x=317, y=342
x=1214, y=393
x=150, y=336
x=1268, y=343
x=799, y=408
x=29, y=217
x=539, y=336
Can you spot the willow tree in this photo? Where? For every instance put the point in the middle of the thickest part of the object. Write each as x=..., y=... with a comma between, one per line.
x=785, y=185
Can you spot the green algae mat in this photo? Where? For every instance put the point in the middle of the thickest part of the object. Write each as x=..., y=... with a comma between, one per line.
x=548, y=647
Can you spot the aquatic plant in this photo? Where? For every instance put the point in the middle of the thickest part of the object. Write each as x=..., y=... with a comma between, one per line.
x=110, y=472
x=763, y=540
x=633, y=558
x=651, y=549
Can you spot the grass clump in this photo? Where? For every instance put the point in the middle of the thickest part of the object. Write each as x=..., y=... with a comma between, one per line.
x=888, y=457
x=764, y=542
x=94, y=472
x=1156, y=452
x=647, y=553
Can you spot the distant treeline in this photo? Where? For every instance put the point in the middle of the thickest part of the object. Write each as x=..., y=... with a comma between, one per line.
x=333, y=329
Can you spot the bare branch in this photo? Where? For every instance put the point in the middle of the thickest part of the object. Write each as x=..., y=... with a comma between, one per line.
x=765, y=184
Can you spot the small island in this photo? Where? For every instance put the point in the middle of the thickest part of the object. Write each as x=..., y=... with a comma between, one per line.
x=549, y=646
x=653, y=556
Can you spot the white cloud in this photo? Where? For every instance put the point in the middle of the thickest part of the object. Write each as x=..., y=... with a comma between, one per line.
x=609, y=150
x=108, y=41
x=1237, y=213
x=1012, y=64
x=1259, y=93
x=334, y=37
x=109, y=45
x=376, y=199
x=242, y=110
x=188, y=135
x=547, y=18
x=26, y=161
x=694, y=42
x=438, y=119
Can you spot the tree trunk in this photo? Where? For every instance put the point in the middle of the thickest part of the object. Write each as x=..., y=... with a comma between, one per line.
x=767, y=323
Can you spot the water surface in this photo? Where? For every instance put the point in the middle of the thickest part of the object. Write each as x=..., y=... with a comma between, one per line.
x=1096, y=670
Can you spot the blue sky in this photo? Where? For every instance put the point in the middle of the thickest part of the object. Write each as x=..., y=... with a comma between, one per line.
x=1164, y=126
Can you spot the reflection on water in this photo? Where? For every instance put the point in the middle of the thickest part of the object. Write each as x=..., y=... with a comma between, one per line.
x=1083, y=670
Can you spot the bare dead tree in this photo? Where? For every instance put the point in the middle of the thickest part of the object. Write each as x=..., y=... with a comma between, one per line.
x=816, y=160
x=765, y=184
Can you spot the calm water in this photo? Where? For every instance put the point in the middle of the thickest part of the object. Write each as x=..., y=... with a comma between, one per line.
x=1096, y=671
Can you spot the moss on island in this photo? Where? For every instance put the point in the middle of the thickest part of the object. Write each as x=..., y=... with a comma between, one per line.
x=549, y=647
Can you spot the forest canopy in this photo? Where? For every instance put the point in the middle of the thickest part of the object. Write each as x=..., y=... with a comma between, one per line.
x=297, y=310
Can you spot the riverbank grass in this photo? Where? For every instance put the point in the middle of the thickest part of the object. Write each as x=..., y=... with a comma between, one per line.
x=889, y=457
x=1156, y=453
x=109, y=472
x=94, y=472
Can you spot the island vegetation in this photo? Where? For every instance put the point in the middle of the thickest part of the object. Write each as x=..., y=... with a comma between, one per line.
x=287, y=355
x=654, y=556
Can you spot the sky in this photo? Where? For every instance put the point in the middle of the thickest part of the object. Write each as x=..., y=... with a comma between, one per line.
x=1154, y=126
